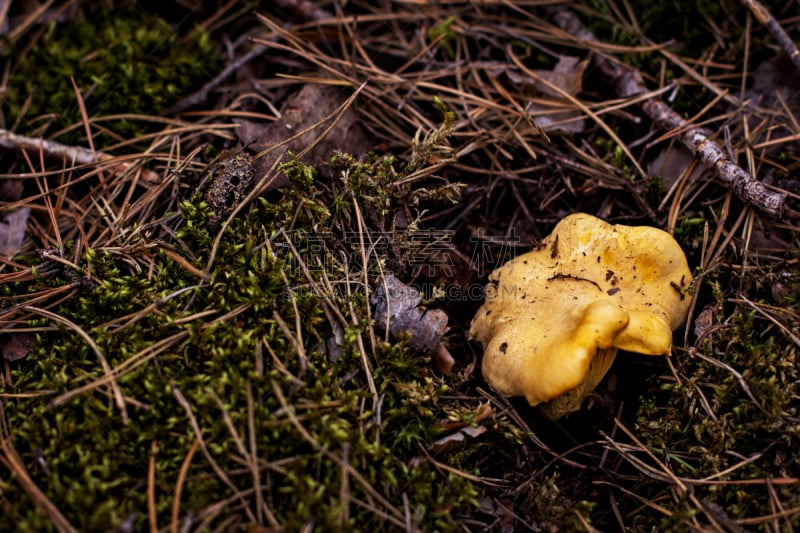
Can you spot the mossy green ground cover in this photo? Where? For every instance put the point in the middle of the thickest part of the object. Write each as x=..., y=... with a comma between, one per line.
x=122, y=60
x=329, y=451
x=249, y=385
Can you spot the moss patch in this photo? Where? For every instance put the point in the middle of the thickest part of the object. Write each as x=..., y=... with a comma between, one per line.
x=122, y=61
x=226, y=357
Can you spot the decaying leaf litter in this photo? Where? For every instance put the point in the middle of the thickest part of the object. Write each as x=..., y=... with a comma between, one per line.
x=189, y=377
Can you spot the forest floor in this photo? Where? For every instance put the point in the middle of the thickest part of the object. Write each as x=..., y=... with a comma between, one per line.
x=203, y=205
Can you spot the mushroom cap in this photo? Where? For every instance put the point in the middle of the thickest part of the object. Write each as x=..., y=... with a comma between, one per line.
x=554, y=318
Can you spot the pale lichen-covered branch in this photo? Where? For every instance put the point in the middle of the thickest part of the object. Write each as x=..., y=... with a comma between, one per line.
x=629, y=82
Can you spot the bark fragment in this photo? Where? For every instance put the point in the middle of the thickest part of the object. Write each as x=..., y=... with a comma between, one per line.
x=303, y=9
x=12, y=230
x=229, y=187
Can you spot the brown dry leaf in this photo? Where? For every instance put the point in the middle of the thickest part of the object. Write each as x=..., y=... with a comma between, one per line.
x=774, y=80
x=458, y=437
x=16, y=346
x=561, y=117
x=395, y=305
x=567, y=75
x=483, y=410
x=704, y=322
x=311, y=105
x=442, y=359
x=775, y=84
x=10, y=190
x=672, y=162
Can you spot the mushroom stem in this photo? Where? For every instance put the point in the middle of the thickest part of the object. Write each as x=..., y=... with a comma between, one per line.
x=571, y=401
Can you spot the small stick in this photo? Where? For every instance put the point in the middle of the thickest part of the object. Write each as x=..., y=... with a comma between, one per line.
x=74, y=154
x=301, y=8
x=202, y=94
x=764, y=17
x=629, y=82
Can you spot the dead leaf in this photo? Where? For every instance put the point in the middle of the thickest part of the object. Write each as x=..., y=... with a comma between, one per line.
x=445, y=442
x=672, y=162
x=395, y=305
x=474, y=432
x=311, y=105
x=567, y=75
x=458, y=437
x=775, y=83
x=10, y=190
x=704, y=322
x=482, y=411
x=443, y=360
x=16, y=346
x=774, y=80
x=560, y=117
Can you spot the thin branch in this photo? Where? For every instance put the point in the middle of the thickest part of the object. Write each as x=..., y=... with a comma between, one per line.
x=302, y=9
x=629, y=83
x=775, y=29
x=201, y=95
x=76, y=155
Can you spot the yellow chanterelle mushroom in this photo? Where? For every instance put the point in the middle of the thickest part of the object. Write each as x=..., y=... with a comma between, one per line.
x=555, y=317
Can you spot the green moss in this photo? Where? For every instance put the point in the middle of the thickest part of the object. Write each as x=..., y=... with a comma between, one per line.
x=737, y=400
x=614, y=154
x=332, y=453
x=447, y=36
x=122, y=60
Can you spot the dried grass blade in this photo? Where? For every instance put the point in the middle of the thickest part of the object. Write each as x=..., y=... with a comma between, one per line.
x=220, y=473
x=14, y=463
x=109, y=374
x=179, y=484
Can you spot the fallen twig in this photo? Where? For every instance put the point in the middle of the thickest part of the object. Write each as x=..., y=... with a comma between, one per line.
x=302, y=9
x=629, y=83
x=73, y=154
x=201, y=95
x=775, y=29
